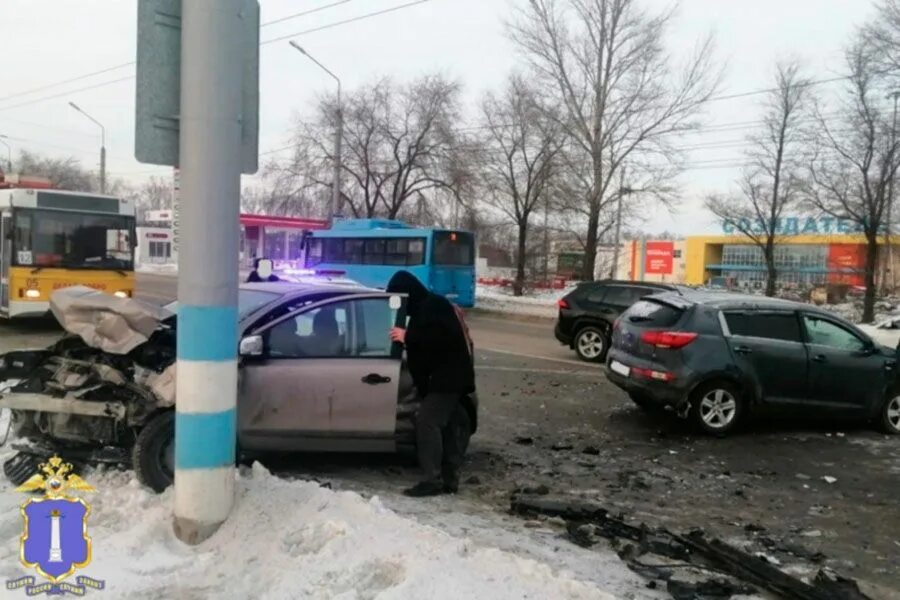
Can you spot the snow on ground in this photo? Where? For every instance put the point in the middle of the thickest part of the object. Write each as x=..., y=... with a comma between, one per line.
x=537, y=304
x=293, y=539
x=159, y=269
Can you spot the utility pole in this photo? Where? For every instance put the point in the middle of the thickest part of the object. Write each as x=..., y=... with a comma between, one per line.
x=889, y=263
x=622, y=191
x=212, y=59
x=336, y=199
x=8, y=153
x=102, y=146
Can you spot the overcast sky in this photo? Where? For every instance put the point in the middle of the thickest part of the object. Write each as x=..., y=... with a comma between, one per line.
x=49, y=41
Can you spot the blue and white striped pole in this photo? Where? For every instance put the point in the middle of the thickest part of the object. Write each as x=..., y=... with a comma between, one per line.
x=210, y=144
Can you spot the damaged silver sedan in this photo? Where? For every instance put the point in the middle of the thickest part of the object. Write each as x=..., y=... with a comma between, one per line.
x=318, y=372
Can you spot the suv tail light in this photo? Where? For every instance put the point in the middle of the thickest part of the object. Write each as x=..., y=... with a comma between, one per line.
x=562, y=303
x=668, y=339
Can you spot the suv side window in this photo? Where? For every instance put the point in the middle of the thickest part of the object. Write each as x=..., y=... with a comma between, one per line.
x=768, y=325
x=620, y=295
x=822, y=332
x=596, y=294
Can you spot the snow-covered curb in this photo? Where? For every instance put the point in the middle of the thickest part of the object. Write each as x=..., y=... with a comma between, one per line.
x=171, y=269
x=288, y=539
x=540, y=304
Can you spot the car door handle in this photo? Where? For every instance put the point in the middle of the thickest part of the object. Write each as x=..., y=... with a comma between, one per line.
x=375, y=379
x=819, y=358
x=743, y=349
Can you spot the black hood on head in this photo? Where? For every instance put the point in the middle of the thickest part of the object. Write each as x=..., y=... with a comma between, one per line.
x=404, y=282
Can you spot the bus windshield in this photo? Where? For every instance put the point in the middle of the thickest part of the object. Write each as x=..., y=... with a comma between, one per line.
x=455, y=249
x=72, y=240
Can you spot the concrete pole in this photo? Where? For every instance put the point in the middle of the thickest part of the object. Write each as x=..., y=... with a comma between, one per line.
x=8, y=155
x=210, y=166
x=618, y=242
x=103, y=168
x=889, y=261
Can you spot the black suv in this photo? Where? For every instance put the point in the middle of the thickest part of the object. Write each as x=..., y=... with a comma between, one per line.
x=717, y=357
x=586, y=315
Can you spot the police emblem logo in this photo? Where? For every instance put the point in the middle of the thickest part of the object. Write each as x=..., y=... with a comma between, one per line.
x=55, y=541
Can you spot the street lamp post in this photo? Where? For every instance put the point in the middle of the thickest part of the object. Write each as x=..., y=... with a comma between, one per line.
x=8, y=153
x=338, y=137
x=102, y=146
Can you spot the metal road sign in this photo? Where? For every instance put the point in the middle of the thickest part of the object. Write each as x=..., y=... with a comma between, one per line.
x=158, y=94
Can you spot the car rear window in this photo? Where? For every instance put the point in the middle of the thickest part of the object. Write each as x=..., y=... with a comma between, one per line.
x=773, y=326
x=653, y=314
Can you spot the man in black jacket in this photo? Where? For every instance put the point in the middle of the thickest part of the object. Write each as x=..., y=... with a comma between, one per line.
x=439, y=358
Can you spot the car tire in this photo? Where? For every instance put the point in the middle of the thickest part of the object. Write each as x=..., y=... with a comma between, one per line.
x=591, y=344
x=153, y=455
x=717, y=407
x=644, y=403
x=889, y=415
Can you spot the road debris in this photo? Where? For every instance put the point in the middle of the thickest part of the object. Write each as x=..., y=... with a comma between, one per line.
x=695, y=553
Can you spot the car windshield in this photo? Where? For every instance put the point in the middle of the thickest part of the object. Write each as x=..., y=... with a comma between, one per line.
x=248, y=301
x=73, y=240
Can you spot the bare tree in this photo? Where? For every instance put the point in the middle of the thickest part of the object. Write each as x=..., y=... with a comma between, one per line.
x=622, y=98
x=63, y=173
x=520, y=155
x=397, y=144
x=857, y=158
x=772, y=180
x=883, y=35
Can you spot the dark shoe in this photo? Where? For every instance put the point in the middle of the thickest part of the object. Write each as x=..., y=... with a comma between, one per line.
x=425, y=488
x=451, y=483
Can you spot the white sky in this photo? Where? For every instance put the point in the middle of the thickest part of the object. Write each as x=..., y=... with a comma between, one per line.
x=47, y=41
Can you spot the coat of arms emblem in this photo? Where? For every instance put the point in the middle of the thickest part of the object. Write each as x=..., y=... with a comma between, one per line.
x=55, y=541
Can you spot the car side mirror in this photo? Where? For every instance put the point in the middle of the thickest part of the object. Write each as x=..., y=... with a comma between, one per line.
x=251, y=346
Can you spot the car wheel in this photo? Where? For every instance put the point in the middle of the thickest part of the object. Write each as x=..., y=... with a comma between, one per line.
x=591, y=344
x=153, y=455
x=889, y=418
x=717, y=407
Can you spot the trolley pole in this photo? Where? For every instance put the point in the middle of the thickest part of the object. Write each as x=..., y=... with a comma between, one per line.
x=210, y=166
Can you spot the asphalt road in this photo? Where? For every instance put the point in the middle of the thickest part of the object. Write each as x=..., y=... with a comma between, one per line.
x=548, y=421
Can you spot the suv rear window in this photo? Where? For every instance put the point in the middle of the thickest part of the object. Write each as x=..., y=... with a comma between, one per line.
x=654, y=314
x=773, y=326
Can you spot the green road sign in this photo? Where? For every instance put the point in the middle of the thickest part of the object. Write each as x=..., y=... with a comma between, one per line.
x=158, y=94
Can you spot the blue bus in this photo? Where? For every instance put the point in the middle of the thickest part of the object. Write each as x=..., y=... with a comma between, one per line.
x=370, y=251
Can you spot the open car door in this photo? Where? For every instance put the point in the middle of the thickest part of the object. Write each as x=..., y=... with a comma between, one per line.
x=327, y=378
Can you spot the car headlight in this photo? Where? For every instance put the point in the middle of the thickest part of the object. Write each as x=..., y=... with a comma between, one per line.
x=122, y=294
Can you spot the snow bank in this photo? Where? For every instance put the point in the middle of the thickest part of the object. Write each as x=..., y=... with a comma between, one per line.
x=170, y=269
x=288, y=540
x=538, y=304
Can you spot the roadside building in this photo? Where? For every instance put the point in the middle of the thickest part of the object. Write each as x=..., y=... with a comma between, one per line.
x=809, y=252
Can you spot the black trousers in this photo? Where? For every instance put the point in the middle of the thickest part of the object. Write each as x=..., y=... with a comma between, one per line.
x=437, y=440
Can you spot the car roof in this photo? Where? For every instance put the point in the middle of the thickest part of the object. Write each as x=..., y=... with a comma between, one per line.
x=649, y=284
x=729, y=300
x=299, y=289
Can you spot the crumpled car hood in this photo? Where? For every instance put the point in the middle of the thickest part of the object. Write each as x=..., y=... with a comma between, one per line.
x=106, y=322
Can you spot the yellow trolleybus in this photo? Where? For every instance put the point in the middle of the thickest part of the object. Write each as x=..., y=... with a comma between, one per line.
x=51, y=239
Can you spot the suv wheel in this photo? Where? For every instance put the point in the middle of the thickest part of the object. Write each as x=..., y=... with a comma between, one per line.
x=889, y=416
x=153, y=455
x=717, y=407
x=591, y=344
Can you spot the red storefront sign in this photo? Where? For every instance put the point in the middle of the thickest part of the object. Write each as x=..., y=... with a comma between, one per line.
x=846, y=263
x=658, y=258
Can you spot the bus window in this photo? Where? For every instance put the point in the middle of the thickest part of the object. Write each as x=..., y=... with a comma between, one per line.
x=396, y=252
x=454, y=249
x=73, y=240
x=374, y=252
x=353, y=251
x=334, y=250
x=416, y=252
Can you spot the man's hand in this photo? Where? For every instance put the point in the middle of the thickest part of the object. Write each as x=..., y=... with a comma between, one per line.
x=398, y=334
